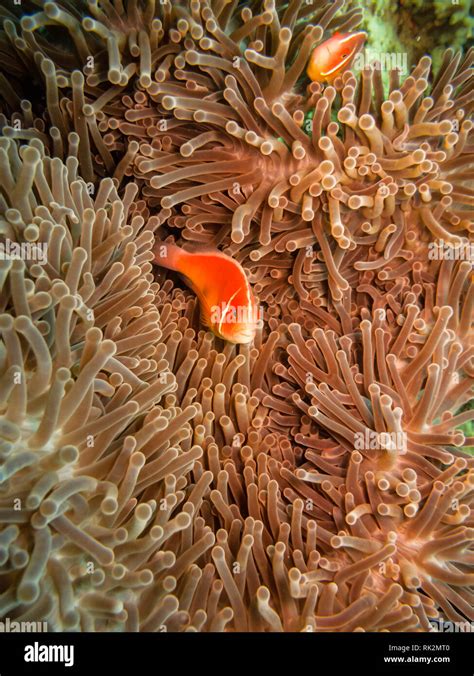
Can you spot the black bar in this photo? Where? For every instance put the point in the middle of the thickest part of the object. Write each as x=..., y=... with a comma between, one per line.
x=315, y=653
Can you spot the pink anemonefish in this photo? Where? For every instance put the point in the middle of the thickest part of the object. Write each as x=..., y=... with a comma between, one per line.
x=334, y=56
x=227, y=303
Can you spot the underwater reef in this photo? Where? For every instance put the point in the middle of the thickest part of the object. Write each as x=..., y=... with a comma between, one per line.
x=417, y=26
x=154, y=477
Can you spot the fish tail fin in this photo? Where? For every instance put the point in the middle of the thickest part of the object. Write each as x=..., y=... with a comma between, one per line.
x=168, y=256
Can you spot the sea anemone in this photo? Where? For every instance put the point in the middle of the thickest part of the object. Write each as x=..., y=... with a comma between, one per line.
x=155, y=478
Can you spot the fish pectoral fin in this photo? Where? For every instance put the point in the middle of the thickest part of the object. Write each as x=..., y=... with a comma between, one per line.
x=206, y=312
x=204, y=316
x=189, y=282
x=198, y=291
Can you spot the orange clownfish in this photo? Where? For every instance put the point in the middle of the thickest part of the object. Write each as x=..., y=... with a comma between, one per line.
x=334, y=56
x=228, y=306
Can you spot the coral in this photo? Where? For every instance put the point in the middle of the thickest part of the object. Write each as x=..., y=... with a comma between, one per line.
x=153, y=477
x=417, y=27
